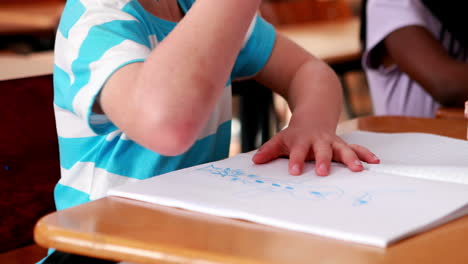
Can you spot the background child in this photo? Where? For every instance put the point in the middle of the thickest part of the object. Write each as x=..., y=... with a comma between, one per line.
x=416, y=55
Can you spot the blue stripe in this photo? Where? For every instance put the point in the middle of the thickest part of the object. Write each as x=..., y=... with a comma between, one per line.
x=127, y=158
x=66, y=197
x=72, y=12
x=185, y=5
x=257, y=51
x=73, y=150
x=61, y=80
x=100, y=39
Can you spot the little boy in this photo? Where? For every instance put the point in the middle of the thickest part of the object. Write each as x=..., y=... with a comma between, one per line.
x=143, y=88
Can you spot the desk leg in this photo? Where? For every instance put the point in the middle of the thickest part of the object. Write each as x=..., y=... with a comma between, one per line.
x=347, y=98
x=341, y=69
x=255, y=110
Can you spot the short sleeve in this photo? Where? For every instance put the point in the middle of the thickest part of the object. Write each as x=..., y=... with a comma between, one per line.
x=90, y=46
x=386, y=16
x=257, y=49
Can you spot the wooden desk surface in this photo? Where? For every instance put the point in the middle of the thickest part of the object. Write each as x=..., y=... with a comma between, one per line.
x=121, y=229
x=29, y=18
x=333, y=42
x=450, y=113
x=21, y=66
x=455, y=128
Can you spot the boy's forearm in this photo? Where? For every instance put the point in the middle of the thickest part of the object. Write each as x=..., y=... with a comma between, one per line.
x=310, y=86
x=175, y=90
x=315, y=95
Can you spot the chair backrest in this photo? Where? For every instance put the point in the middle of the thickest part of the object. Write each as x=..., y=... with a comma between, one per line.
x=29, y=158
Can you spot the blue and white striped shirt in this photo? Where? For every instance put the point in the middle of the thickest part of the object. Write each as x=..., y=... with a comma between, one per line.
x=95, y=39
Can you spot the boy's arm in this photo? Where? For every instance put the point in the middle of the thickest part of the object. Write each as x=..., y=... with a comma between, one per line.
x=314, y=94
x=418, y=53
x=163, y=103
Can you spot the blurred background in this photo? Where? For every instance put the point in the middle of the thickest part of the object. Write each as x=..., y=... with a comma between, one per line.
x=329, y=29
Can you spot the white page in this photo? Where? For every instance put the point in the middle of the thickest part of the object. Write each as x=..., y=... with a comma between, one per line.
x=416, y=154
x=368, y=207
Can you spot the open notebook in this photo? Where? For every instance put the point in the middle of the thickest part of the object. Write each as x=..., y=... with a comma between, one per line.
x=421, y=183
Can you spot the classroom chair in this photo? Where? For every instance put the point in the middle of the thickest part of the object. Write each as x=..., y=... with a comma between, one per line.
x=256, y=114
x=29, y=164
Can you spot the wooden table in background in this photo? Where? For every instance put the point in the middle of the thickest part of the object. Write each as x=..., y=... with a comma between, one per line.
x=29, y=18
x=122, y=229
x=332, y=41
x=14, y=66
x=450, y=113
x=454, y=128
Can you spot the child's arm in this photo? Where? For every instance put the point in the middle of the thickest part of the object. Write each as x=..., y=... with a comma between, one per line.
x=424, y=59
x=314, y=95
x=163, y=103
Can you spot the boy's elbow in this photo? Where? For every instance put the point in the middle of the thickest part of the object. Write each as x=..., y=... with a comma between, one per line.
x=170, y=139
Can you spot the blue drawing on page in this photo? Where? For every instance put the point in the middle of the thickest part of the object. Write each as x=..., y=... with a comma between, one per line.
x=261, y=185
x=366, y=198
x=363, y=199
x=299, y=189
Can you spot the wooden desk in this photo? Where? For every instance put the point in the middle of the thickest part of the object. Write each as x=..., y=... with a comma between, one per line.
x=29, y=18
x=333, y=42
x=450, y=113
x=121, y=229
x=21, y=66
x=393, y=124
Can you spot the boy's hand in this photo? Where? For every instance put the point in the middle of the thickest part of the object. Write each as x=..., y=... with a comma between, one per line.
x=311, y=143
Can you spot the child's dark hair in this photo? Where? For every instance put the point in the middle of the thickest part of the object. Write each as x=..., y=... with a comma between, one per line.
x=451, y=14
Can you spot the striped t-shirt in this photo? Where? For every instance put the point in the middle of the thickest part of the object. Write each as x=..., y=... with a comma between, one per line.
x=95, y=39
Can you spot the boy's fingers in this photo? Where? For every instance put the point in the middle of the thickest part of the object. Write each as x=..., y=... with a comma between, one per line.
x=268, y=152
x=296, y=159
x=346, y=155
x=364, y=154
x=323, y=155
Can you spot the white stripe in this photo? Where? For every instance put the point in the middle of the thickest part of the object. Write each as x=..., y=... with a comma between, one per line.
x=102, y=69
x=67, y=50
x=65, y=54
x=221, y=114
x=113, y=135
x=70, y=125
x=153, y=41
x=250, y=31
x=85, y=177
